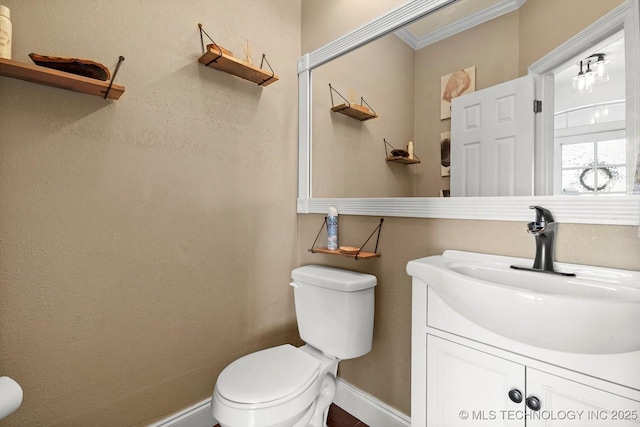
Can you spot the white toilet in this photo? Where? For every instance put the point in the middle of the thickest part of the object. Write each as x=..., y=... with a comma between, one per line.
x=286, y=386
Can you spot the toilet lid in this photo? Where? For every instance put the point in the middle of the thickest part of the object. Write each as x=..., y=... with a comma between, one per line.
x=267, y=375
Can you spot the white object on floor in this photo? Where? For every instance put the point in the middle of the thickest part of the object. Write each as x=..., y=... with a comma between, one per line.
x=10, y=396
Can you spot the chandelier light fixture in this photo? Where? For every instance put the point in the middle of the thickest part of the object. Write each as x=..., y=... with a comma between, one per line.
x=583, y=82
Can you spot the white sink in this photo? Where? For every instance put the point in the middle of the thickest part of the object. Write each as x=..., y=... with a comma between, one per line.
x=595, y=312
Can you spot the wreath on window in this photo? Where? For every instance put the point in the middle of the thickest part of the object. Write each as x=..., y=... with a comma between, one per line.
x=604, y=171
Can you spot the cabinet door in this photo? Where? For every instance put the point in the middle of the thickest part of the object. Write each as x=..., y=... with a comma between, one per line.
x=466, y=387
x=566, y=403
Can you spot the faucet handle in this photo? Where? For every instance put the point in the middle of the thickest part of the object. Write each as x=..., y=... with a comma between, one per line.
x=542, y=215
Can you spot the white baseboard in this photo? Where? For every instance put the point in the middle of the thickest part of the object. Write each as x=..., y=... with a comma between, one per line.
x=361, y=405
x=198, y=415
x=367, y=408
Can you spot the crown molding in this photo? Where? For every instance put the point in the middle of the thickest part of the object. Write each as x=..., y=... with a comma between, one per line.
x=380, y=26
x=459, y=26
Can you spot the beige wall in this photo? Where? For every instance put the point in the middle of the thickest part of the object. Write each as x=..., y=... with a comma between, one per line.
x=382, y=73
x=144, y=243
x=323, y=21
x=385, y=372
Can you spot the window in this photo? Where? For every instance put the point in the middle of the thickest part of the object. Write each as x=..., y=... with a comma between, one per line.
x=592, y=163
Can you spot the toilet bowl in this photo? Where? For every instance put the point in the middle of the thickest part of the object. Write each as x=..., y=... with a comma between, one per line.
x=276, y=387
x=285, y=386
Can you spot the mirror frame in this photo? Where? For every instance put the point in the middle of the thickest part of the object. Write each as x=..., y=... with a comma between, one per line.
x=612, y=210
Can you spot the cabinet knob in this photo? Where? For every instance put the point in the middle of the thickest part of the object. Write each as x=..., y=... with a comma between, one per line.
x=515, y=395
x=533, y=403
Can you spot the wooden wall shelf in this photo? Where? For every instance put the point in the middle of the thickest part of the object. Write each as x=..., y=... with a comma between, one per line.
x=60, y=79
x=403, y=160
x=358, y=112
x=399, y=156
x=221, y=60
x=358, y=255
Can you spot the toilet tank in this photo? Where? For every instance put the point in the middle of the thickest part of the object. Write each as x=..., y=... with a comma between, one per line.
x=334, y=309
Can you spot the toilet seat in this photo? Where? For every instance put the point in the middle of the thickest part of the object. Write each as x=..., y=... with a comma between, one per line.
x=267, y=377
x=276, y=387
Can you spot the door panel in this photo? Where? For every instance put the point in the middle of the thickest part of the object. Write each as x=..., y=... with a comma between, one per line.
x=466, y=387
x=492, y=141
x=566, y=403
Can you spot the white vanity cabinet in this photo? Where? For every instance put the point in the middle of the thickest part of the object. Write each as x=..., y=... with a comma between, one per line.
x=467, y=376
x=467, y=387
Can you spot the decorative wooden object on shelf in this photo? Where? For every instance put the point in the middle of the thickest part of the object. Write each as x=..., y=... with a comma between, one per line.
x=348, y=251
x=399, y=156
x=77, y=66
x=351, y=109
x=60, y=79
x=222, y=59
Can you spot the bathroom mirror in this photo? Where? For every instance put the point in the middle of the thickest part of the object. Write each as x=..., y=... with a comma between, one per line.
x=396, y=125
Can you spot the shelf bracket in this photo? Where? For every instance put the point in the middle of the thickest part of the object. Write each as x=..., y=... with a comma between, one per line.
x=363, y=101
x=324, y=224
x=106, y=93
x=202, y=31
x=331, y=90
x=378, y=229
x=386, y=144
x=273, y=74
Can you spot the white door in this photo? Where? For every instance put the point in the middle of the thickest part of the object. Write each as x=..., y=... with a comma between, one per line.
x=566, y=403
x=469, y=388
x=492, y=140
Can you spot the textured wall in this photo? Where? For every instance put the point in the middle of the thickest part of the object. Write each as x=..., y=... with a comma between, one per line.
x=147, y=242
x=386, y=371
x=383, y=73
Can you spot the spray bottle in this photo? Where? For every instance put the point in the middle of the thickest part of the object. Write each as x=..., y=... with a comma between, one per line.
x=332, y=229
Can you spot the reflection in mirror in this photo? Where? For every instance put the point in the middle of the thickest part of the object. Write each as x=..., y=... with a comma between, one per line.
x=399, y=75
x=590, y=148
x=545, y=35
x=352, y=152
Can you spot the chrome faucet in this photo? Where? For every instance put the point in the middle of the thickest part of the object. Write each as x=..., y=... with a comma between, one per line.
x=544, y=231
